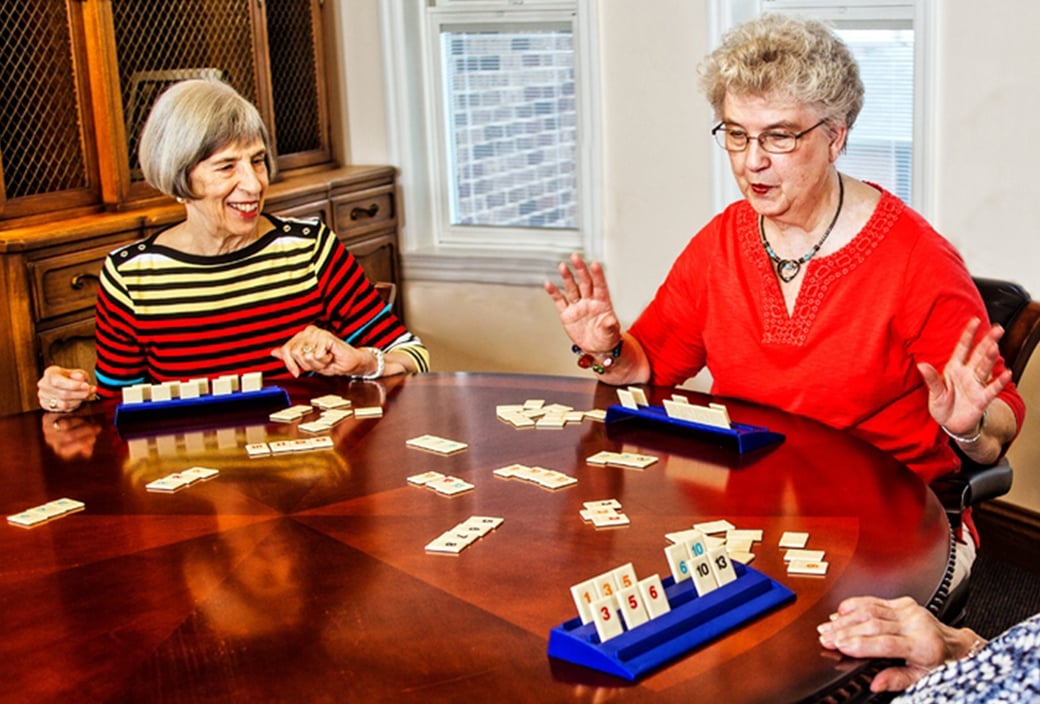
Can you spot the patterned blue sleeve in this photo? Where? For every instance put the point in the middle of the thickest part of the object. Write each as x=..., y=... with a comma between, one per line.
x=1006, y=670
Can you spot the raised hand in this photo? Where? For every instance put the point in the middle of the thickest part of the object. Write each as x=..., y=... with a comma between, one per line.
x=584, y=306
x=959, y=396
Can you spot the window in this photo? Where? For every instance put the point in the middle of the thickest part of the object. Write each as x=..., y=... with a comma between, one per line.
x=889, y=144
x=511, y=128
x=496, y=151
x=881, y=145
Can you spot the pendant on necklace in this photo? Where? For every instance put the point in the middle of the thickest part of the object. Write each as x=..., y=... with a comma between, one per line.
x=787, y=269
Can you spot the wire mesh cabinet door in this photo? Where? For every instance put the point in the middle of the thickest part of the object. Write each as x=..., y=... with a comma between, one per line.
x=78, y=78
x=47, y=153
x=271, y=52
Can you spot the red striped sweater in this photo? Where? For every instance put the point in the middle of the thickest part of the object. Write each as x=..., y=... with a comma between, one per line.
x=164, y=315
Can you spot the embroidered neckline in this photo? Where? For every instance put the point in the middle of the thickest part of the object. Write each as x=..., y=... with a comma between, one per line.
x=821, y=272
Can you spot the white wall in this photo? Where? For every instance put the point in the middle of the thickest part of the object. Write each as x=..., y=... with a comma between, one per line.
x=987, y=197
x=657, y=175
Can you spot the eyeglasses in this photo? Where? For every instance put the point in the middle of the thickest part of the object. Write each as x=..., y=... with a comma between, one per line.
x=734, y=139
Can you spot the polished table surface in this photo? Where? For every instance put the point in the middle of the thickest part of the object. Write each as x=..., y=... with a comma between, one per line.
x=304, y=577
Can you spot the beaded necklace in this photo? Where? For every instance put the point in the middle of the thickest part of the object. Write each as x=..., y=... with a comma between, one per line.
x=787, y=269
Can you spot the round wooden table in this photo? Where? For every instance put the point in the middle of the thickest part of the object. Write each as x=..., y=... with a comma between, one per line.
x=303, y=577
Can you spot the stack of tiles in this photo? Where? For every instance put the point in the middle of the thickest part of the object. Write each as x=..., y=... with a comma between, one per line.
x=604, y=513
x=326, y=420
x=437, y=444
x=534, y=413
x=463, y=535
x=45, y=512
x=333, y=410
x=443, y=484
x=545, y=478
x=798, y=559
x=179, y=480
x=276, y=447
x=628, y=460
x=291, y=414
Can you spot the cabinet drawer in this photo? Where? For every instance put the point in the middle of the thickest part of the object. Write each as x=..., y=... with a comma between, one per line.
x=357, y=213
x=67, y=282
x=309, y=209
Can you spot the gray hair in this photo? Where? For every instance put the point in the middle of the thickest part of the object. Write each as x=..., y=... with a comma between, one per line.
x=782, y=55
x=189, y=123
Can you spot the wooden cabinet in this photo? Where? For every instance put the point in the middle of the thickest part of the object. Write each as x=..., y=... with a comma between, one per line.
x=49, y=272
x=78, y=80
x=80, y=76
x=365, y=219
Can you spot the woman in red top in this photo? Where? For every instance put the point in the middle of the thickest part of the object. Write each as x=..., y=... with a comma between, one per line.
x=818, y=293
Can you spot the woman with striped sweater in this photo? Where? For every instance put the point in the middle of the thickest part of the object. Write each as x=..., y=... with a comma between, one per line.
x=230, y=289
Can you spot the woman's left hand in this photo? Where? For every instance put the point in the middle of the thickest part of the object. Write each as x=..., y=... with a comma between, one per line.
x=959, y=396
x=319, y=351
x=869, y=627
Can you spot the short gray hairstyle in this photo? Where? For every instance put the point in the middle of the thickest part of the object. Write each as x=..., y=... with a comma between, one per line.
x=783, y=55
x=189, y=123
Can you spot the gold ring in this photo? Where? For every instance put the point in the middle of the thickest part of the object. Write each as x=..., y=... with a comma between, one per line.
x=307, y=349
x=53, y=404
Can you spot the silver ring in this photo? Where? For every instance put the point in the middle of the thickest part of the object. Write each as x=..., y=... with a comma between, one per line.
x=53, y=404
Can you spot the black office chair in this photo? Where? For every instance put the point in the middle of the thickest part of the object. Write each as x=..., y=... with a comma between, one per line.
x=1010, y=305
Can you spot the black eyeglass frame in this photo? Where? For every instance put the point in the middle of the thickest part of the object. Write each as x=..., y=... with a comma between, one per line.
x=721, y=127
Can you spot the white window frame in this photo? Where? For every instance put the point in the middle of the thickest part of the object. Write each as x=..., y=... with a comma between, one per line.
x=430, y=250
x=922, y=15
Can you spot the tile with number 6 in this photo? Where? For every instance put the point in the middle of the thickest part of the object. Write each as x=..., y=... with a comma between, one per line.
x=654, y=597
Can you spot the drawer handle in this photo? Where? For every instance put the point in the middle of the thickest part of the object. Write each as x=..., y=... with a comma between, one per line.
x=370, y=211
x=79, y=280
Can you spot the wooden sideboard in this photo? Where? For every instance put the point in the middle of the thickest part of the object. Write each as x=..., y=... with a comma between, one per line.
x=49, y=272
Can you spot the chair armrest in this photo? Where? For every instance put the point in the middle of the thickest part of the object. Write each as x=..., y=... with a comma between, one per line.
x=973, y=484
x=387, y=290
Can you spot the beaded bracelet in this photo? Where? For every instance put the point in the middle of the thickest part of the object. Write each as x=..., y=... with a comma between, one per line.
x=587, y=361
x=380, y=364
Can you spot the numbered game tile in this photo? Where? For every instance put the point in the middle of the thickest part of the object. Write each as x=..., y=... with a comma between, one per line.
x=605, y=616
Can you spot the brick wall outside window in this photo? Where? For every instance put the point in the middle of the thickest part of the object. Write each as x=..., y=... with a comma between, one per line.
x=512, y=126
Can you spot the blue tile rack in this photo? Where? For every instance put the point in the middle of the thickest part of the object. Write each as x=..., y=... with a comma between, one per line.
x=199, y=411
x=739, y=437
x=692, y=622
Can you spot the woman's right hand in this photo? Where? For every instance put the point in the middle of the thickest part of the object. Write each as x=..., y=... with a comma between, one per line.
x=62, y=390
x=584, y=306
